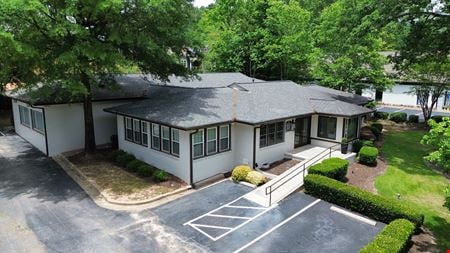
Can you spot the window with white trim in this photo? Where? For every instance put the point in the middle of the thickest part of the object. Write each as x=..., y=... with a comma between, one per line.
x=136, y=131
x=156, y=137
x=224, y=142
x=327, y=127
x=24, y=114
x=165, y=139
x=271, y=134
x=144, y=133
x=175, y=142
x=37, y=121
x=129, y=129
x=197, y=144
x=211, y=140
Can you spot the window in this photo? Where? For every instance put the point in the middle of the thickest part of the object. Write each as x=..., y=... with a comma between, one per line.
x=144, y=128
x=24, y=114
x=129, y=129
x=197, y=144
x=156, y=140
x=37, y=120
x=211, y=140
x=271, y=134
x=136, y=131
x=175, y=142
x=327, y=127
x=224, y=142
x=350, y=128
x=165, y=139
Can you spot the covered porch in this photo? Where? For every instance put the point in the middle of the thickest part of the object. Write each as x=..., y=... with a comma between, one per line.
x=310, y=151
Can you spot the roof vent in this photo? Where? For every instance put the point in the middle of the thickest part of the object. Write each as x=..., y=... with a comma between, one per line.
x=236, y=86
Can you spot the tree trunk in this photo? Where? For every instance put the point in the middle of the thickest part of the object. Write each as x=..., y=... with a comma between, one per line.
x=89, y=134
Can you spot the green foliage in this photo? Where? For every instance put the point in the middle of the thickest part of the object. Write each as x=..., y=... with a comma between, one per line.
x=371, y=105
x=447, y=198
x=134, y=165
x=144, y=170
x=256, y=178
x=398, y=117
x=378, y=126
x=366, y=133
x=437, y=118
x=240, y=172
x=358, y=144
x=394, y=238
x=124, y=158
x=375, y=130
x=381, y=115
x=376, y=207
x=116, y=153
x=368, y=155
x=413, y=118
x=439, y=139
x=160, y=176
x=335, y=168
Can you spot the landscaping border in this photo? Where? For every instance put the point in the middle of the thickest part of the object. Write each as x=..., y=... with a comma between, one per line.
x=94, y=190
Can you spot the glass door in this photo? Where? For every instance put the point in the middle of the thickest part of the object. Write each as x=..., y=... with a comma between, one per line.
x=302, y=131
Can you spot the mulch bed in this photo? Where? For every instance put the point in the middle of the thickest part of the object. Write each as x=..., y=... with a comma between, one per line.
x=363, y=176
x=278, y=167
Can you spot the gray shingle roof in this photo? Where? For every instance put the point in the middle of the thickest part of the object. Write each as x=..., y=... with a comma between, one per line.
x=252, y=103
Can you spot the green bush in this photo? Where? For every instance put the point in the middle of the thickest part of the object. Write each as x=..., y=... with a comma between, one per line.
x=144, y=170
x=394, y=238
x=240, y=173
x=124, y=158
x=160, y=176
x=371, y=105
x=413, y=119
x=368, y=155
x=335, y=168
x=381, y=115
x=256, y=178
x=437, y=118
x=398, y=117
x=134, y=165
x=115, y=153
x=447, y=198
x=374, y=206
x=375, y=131
x=358, y=144
x=378, y=126
x=366, y=133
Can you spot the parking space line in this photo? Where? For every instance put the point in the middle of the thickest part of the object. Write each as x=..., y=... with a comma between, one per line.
x=210, y=226
x=229, y=216
x=204, y=233
x=246, y=207
x=277, y=226
x=220, y=207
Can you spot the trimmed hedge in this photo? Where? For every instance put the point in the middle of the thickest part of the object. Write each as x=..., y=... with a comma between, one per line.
x=375, y=131
x=366, y=133
x=378, y=126
x=240, y=173
x=374, y=206
x=413, y=119
x=256, y=178
x=358, y=144
x=437, y=118
x=144, y=170
x=134, y=165
x=381, y=115
x=398, y=117
x=394, y=238
x=335, y=168
x=124, y=158
x=160, y=176
x=368, y=155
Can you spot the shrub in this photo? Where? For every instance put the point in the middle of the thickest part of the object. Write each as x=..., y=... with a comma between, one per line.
x=134, y=165
x=124, y=159
x=371, y=105
x=144, y=170
x=378, y=126
x=398, y=117
x=413, y=119
x=115, y=153
x=381, y=115
x=335, y=168
x=394, y=238
x=368, y=155
x=437, y=118
x=447, y=198
x=160, y=176
x=374, y=206
x=366, y=133
x=240, y=173
x=358, y=144
x=375, y=131
x=256, y=178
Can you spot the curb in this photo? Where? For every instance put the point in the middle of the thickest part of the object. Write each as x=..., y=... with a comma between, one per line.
x=94, y=191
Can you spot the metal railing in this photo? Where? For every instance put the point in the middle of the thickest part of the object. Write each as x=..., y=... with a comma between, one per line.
x=301, y=169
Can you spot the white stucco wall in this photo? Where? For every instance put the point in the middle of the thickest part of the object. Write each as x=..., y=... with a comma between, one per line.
x=178, y=166
x=242, y=143
x=35, y=138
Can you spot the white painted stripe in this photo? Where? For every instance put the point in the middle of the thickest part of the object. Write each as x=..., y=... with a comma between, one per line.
x=210, y=226
x=246, y=207
x=220, y=207
x=276, y=227
x=229, y=216
x=247, y=221
x=354, y=216
x=201, y=231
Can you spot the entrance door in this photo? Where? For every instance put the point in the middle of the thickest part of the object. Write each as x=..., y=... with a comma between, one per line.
x=302, y=131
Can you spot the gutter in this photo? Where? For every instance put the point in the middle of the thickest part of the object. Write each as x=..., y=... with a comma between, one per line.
x=191, y=160
x=254, y=146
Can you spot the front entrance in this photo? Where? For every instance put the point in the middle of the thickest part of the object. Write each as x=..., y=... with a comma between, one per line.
x=302, y=132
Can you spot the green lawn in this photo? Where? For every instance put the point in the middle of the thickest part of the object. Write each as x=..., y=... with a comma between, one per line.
x=408, y=175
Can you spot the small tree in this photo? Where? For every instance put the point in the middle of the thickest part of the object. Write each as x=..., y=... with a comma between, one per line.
x=439, y=138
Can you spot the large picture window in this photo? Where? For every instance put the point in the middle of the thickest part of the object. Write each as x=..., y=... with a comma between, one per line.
x=156, y=137
x=175, y=142
x=197, y=144
x=327, y=127
x=211, y=140
x=24, y=114
x=351, y=128
x=271, y=134
x=224, y=142
x=165, y=139
x=37, y=121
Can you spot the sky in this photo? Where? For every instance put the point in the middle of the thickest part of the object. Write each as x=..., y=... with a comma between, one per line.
x=200, y=3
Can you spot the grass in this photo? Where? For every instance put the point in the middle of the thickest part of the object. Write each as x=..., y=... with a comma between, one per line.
x=408, y=175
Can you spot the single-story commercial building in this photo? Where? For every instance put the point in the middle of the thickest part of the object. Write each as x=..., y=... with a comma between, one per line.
x=196, y=130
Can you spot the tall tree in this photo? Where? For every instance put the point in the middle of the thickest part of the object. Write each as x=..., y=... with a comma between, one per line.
x=80, y=44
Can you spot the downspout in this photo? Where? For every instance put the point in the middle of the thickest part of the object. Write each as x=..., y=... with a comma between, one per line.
x=45, y=128
x=254, y=147
x=191, y=160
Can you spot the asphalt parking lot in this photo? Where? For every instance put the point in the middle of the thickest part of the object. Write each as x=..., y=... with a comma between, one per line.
x=217, y=220
x=409, y=111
